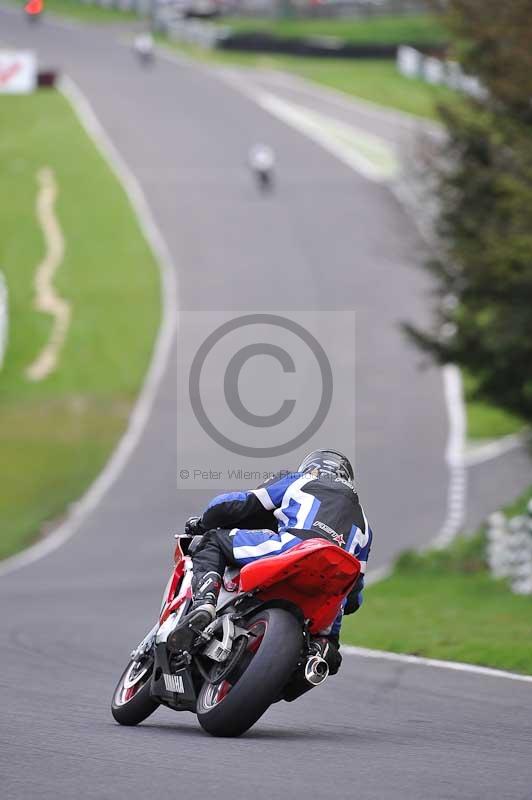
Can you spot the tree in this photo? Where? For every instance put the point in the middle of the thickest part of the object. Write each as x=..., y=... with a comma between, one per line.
x=484, y=265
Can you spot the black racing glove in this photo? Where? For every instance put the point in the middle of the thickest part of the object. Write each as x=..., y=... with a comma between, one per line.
x=193, y=527
x=353, y=598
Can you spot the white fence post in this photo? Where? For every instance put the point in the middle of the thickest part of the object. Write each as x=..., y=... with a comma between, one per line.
x=409, y=61
x=510, y=550
x=413, y=64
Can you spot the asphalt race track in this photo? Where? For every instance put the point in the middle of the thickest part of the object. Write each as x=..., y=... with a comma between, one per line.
x=380, y=729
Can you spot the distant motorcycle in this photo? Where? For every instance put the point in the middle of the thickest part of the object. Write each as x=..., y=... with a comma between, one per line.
x=144, y=48
x=33, y=10
x=258, y=650
x=262, y=162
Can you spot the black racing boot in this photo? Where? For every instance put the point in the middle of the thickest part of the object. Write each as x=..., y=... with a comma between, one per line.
x=206, y=589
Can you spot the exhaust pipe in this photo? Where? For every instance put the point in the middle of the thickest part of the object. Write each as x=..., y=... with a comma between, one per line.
x=316, y=670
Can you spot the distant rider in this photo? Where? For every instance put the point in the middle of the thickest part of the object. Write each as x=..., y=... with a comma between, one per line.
x=317, y=501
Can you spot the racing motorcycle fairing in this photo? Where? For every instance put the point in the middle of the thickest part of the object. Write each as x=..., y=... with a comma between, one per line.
x=173, y=688
x=315, y=576
x=178, y=588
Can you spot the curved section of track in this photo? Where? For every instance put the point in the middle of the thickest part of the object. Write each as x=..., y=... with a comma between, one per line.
x=328, y=239
x=378, y=730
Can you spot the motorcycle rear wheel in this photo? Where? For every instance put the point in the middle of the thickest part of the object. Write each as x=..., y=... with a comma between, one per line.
x=230, y=709
x=132, y=702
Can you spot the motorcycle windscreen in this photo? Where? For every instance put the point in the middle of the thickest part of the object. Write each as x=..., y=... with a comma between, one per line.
x=314, y=575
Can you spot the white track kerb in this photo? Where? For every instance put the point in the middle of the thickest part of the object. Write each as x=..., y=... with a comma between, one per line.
x=162, y=349
x=454, y=455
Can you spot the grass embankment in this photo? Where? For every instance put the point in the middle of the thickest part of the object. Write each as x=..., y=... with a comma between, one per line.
x=444, y=604
x=57, y=433
x=485, y=421
x=386, y=29
x=374, y=80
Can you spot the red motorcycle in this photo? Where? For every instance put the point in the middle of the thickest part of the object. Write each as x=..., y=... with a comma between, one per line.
x=258, y=650
x=33, y=10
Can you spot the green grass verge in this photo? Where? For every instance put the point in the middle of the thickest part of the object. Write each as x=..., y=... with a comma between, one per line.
x=374, y=80
x=370, y=79
x=485, y=421
x=388, y=29
x=444, y=604
x=76, y=9
x=57, y=434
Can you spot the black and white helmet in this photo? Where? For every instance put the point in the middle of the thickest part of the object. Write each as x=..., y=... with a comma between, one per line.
x=328, y=462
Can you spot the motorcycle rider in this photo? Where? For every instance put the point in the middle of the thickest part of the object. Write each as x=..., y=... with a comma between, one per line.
x=319, y=500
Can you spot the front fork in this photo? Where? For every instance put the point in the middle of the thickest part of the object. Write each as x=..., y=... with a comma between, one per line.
x=146, y=645
x=173, y=605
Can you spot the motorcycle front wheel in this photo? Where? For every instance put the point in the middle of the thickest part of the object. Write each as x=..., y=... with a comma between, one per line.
x=231, y=706
x=132, y=702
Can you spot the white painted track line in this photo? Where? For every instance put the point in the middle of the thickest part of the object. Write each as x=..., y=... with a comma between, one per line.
x=479, y=454
x=391, y=116
x=457, y=666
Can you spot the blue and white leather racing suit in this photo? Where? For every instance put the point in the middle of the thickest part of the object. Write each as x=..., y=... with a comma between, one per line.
x=289, y=508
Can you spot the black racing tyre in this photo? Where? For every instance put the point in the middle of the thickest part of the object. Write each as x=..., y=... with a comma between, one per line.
x=232, y=706
x=132, y=702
